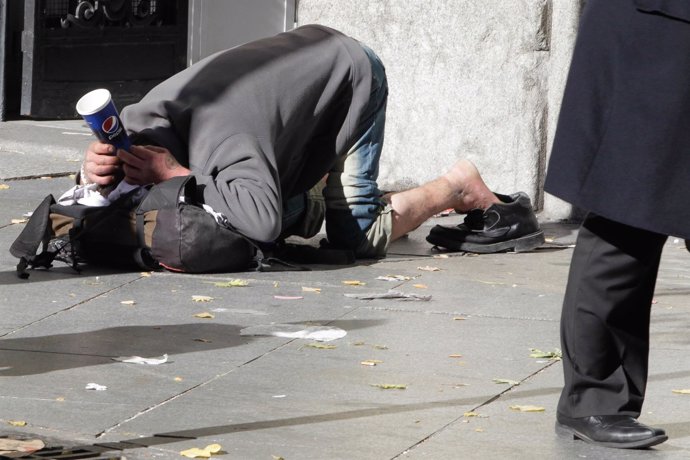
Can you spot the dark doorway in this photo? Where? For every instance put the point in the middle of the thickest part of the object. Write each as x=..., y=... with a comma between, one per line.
x=69, y=47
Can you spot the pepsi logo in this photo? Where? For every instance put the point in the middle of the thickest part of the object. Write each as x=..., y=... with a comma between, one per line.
x=110, y=124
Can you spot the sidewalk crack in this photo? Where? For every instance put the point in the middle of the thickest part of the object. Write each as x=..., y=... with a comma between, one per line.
x=474, y=409
x=68, y=308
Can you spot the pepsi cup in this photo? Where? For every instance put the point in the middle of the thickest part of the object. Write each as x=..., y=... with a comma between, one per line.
x=98, y=110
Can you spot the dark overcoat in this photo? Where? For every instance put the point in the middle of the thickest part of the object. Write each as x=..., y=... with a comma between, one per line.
x=622, y=145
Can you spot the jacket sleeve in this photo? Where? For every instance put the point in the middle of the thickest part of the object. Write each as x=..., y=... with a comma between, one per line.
x=241, y=182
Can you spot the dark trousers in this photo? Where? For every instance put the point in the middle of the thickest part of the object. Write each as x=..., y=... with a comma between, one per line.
x=605, y=319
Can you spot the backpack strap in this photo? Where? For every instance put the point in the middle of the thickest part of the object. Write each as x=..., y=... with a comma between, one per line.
x=163, y=195
x=35, y=232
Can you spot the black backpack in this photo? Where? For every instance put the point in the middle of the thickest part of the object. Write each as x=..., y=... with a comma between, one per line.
x=166, y=229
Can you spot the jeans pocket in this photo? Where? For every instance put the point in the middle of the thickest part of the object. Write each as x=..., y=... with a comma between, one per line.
x=676, y=9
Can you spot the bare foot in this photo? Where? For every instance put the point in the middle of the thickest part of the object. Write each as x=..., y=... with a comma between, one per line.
x=470, y=189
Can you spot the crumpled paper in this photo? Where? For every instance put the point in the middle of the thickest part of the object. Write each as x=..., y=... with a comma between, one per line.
x=139, y=360
x=89, y=195
x=296, y=331
x=391, y=294
x=95, y=387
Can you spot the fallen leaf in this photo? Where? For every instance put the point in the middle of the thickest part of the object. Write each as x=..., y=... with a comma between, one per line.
x=441, y=256
x=139, y=360
x=178, y=379
x=10, y=447
x=428, y=268
x=371, y=362
x=479, y=430
x=17, y=422
x=60, y=399
x=527, y=408
x=420, y=286
x=145, y=274
x=682, y=392
x=4, y=186
x=232, y=283
x=202, y=340
x=536, y=353
x=202, y=298
x=311, y=289
x=204, y=315
x=381, y=347
x=455, y=356
x=277, y=457
x=459, y=318
x=354, y=283
x=206, y=452
x=359, y=343
x=506, y=381
x=19, y=221
x=389, y=386
x=470, y=414
x=288, y=297
x=321, y=346
x=128, y=302
x=276, y=284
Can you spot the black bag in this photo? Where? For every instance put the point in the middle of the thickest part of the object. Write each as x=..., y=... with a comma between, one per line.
x=166, y=229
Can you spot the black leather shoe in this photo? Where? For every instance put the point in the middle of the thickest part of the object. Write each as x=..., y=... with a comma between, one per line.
x=619, y=431
x=510, y=225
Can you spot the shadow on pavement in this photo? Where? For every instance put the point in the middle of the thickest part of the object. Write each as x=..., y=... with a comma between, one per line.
x=80, y=349
x=67, y=351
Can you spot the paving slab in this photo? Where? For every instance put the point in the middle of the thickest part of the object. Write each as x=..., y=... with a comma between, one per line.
x=40, y=148
x=23, y=196
x=330, y=392
x=262, y=396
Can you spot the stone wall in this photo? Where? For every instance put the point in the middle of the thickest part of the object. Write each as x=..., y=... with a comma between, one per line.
x=479, y=79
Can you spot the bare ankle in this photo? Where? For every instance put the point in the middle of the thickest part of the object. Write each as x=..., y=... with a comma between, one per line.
x=472, y=192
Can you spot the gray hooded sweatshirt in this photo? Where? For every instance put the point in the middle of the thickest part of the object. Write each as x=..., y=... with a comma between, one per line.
x=259, y=123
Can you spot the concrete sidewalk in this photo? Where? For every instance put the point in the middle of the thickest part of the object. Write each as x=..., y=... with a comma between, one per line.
x=259, y=396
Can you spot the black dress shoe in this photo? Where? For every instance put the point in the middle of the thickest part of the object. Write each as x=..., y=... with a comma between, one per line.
x=510, y=225
x=619, y=431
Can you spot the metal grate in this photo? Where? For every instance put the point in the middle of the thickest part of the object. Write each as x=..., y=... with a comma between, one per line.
x=57, y=8
x=101, y=13
x=65, y=453
x=143, y=7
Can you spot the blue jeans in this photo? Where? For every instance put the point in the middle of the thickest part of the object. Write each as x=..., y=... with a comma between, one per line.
x=356, y=216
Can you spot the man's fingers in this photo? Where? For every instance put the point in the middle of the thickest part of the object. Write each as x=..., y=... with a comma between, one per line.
x=130, y=159
x=103, y=170
x=103, y=160
x=132, y=175
x=103, y=180
x=156, y=148
x=102, y=148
